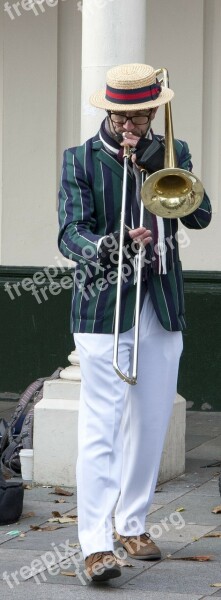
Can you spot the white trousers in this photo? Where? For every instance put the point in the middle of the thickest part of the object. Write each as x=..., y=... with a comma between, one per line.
x=122, y=428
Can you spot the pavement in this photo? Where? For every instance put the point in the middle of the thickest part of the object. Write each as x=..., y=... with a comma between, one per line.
x=42, y=559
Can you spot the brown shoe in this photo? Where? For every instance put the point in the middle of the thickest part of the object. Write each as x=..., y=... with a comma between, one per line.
x=140, y=547
x=101, y=566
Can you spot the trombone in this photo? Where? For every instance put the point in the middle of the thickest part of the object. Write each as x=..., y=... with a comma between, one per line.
x=169, y=193
x=133, y=379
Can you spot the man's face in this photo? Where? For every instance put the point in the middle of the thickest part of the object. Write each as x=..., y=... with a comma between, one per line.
x=135, y=122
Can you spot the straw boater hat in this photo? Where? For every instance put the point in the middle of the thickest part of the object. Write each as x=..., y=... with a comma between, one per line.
x=131, y=87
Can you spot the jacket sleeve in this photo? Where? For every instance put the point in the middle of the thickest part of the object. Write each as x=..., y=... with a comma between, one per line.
x=201, y=217
x=77, y=240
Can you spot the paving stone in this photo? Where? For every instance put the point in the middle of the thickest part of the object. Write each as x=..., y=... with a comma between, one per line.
x=165, y=497
x=43, y=540
x=202, y=547
x=46, y=565
x=203, y=423
x=198, y=471
x=161, y=532
x=11, y=561
x=93, y=591
x=154, y=508
x=210, y=488
x=177, y=577
x=191, y=502
x=193, y=440
x=45, y=494
x=209, y=451
x=45, y=509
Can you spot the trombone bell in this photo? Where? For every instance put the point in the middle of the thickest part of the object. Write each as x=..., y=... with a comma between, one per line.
x=172, y=193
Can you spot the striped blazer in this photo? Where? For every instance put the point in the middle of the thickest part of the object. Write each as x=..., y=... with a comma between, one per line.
x=90, y=199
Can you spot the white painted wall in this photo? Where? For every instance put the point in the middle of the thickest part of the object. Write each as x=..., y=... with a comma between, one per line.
x=29, y=218
x=69, y=77
x=42, y=96
x=184, y=35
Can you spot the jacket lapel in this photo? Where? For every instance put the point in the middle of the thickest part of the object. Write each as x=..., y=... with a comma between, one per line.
x=110, y=161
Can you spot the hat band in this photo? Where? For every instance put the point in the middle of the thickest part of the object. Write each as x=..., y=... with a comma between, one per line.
x=135, y=96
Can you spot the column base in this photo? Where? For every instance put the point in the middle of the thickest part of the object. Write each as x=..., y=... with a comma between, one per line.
x=56, y=431
x=55, y=434
x=173, y=457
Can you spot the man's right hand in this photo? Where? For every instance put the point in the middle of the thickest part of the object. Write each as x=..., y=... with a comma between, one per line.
x=141, y=235
x=132, y=239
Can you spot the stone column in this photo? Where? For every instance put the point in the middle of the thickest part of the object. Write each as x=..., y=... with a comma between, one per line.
x=113, y=33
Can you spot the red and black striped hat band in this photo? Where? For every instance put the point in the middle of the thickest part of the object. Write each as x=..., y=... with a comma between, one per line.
x=134, y=96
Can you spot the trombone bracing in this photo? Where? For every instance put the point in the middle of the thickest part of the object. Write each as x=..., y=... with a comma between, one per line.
x=169, y=193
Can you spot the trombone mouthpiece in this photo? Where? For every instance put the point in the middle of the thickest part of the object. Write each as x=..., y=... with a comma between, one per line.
x=127, y=152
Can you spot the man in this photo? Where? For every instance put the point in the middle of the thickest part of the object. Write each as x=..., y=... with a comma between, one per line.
x=122, y=428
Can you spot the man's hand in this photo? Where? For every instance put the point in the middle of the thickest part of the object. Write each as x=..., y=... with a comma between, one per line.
x=133, y=238
x=140, y=235
x=129, y=139
x=132, y=141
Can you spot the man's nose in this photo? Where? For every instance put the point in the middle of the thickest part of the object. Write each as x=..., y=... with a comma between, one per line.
x=128, y=125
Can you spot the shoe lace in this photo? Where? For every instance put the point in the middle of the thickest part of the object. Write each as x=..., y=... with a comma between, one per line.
x=142, y=536
x=97, y=556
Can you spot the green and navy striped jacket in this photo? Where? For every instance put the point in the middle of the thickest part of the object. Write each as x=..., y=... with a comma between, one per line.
x=90, y=201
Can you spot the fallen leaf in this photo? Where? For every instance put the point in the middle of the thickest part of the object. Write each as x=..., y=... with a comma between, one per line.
x=51, y=528
x=60, y=501
x=60, y=491
x=213, y=534
x=47, y=528
x=27, y=515
x=215, y=585
x=56, y=514
x=217, y=509
x=123, y=563
x=197, y=558
x=68, y=573
x=63, y=520
x=181, y=509
x=26, y=486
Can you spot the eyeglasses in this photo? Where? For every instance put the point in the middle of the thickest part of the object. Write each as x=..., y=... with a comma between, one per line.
x=122, y=119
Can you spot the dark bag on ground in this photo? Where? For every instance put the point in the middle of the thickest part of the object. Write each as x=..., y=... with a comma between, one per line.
x=12, y=441
x=11, y=500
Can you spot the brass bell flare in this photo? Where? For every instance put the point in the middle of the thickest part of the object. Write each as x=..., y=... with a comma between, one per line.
x=172, y=193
